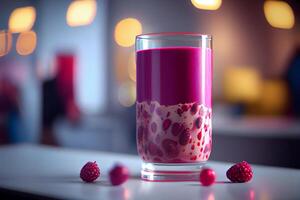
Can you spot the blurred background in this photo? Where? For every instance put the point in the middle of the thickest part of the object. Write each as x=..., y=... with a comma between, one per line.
x=67, y=72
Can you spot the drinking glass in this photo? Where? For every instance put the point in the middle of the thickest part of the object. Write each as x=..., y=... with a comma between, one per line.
x=174, y=104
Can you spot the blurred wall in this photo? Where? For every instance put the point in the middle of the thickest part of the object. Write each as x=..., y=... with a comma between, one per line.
x=25, y=73
x=86, y=42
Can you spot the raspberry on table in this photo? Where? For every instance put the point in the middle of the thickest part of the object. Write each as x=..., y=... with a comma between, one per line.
x=90, y=172
x=207, y=176
x=240, y=172
x=118, y=175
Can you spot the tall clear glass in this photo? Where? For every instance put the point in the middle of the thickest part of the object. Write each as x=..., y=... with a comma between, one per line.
x=174, y=104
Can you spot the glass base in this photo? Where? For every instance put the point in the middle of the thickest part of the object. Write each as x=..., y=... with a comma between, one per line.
x=164, y=172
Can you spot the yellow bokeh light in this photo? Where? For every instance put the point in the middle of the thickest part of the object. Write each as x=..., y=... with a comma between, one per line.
x=5, y=42
x=207, y=4
x=132, y=67
x=26, y=43
x=22, y=19
x=274, y=97
x=241, y=84
x=126, y=30
x=127, y=93
x=279, y=14
x=81, y=12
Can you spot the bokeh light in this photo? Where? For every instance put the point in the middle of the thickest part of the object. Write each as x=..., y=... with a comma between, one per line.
x=127, y=93
x=5, y=42
x=26, y=43
x=207, y=4
x=274, y=99
x=126, y=194
x=126, y=30
x=241, y=84
x=279, y=14
x=132, y=67
x=252, y=194
x=22, y=19
x=211, y=196
x=81, y=12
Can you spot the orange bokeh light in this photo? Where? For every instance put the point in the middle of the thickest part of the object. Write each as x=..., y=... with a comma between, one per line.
x=5, y=42
x=126, y=30
x=26, y=43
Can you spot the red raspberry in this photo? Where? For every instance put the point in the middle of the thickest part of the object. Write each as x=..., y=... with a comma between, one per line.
x=184, y=137
x=194, y=108
x=170, y=148
x=179, y=112
x=118, y=175
x=145, y=115
x=166, y=124
x=198, y=122
x=90, y=172
x=207, y=177
x=199, y=136
x=176, y=128
x=184, y=108
x=240, y=172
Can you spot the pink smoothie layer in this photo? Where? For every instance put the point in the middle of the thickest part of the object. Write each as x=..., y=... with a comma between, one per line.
x=173, y=134
x=174, y=75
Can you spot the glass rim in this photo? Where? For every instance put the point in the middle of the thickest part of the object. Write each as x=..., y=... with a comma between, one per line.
x=158, y=35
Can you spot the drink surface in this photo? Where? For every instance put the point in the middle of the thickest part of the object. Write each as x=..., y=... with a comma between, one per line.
x=174, y=75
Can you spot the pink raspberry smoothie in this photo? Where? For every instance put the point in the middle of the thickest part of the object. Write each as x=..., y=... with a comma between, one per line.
x=174, y=104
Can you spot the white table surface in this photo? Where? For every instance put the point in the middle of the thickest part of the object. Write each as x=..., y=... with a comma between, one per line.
x=54, y=172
